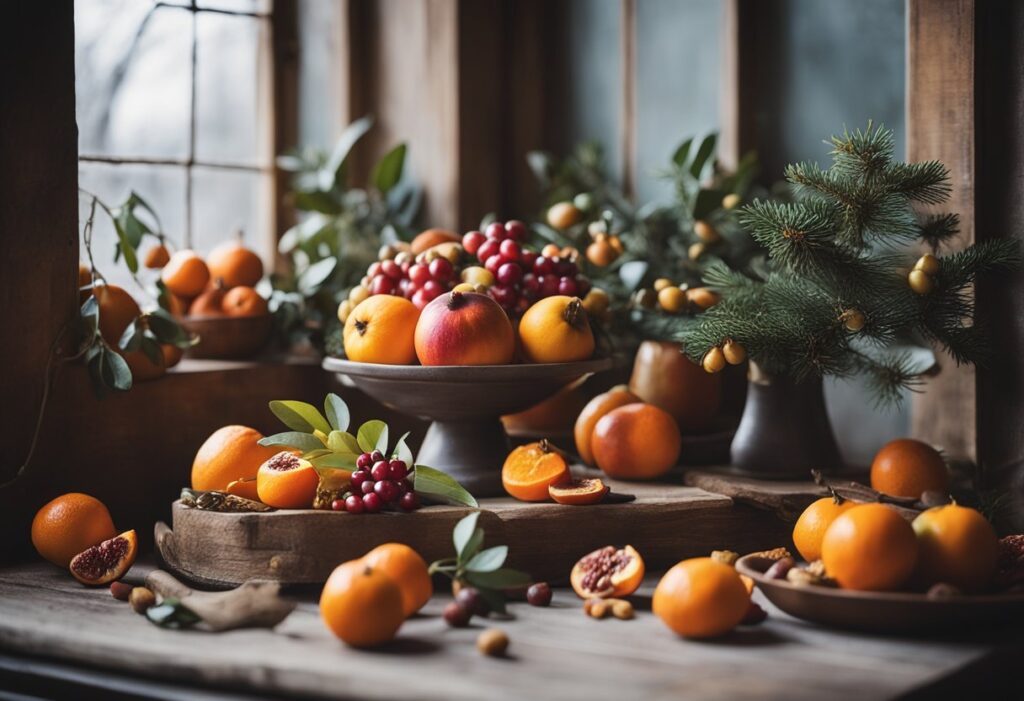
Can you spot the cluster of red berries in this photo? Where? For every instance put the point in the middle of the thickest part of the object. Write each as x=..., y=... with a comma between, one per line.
x=376, y=484
x=469, y=602
x=418, y=282
x=522, y=276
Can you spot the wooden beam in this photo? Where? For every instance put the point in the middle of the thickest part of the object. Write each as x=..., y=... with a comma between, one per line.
x=284, y=115
x=737, y=127
x=627, y=129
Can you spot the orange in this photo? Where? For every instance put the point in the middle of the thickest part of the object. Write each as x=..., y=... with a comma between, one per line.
x=210, y=302
x=234, y=265
x=382, y=329
x=244, y=301
x=84, y=280
x=287, y=481
x=407, y=569
x=636, y=441
x=958, y=546
x=597, y=407
x=185, y=274
x=813, y=522
x=156, y=257
x=869, y=547
x=907, y=468
x=554, y=414
x=361, y=605
x=68, y=525
x=117, y=310
x=701, y=598
x=432, y=237
x=556, y=330
x=530, y=469
x=142, y=367
x=607, y=572
x=230, y=453
x=172, y=354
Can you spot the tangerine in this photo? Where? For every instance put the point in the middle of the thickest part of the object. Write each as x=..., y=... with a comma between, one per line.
x=185, y=274
x=813, y=522
x=907, y=468
x=958, y=546
x=636, y=441
x=869, y=547
x=408, y=570
x=210, y=302
x=287, y=481
x=235, y=265
x=69, y=524
x=118, y=309
x=556, y=330
x=142, y=367
x=230, y=453
x=156, y=257
x=381, y=329
x=530, y=469
x=244, y=301
x=361, y=605
x=701, y=598
x=597, y=407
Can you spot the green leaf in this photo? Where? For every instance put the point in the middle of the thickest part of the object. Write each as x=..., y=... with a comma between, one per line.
x=402, y=451
x=438, y=486
x=166, y=328
x=318, y=453
x=463, y=532
x=473, y=546
x=682, y=153
x=151, y=347
x=373, y=435
x=707, y=147
x=333, y=171
x=313, y=278
x=343, y=442
x=293, y=439
x=388, y=170
x=299, y=416
x=173, y=614
x=115, y=371
x=125, y=247
x=136, y=199
x=488, y=560
x=337, y=413
x=131, y=339
x=501, y=578
x=341, y=461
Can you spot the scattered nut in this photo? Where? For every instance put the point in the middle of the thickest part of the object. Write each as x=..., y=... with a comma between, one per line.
x=817, y=568
x=120, y=590
x=802, y=576
x=141, y=599
x=775, y=553
x=493, y=642
x=755, y=614
x=622, y=609
x=780, y=568
x=597, y=608
x=726, y=557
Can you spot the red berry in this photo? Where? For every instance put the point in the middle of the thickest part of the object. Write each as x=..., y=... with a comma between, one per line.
x=543, y=265
x=531, y=284
x=409, y=501
x=405, y=267
x=397, y=470
x=487, y=249
x=403, y=486
x=493, y=263
x=582, y=285
x=372, y=503
x=419, y=273
x=567, y=286
x=367, y=486
x=358, y=478
x=509, y=249
x=503, y=295
x=373, y=270
x=469, y=598
x=403, y=287
x=548, y=285
x=354, y=504
x=441, y=269
x=457, y=616
x=432, y=289
x=338, y=505
x=364, y=461
x=382, y=285
x=539, y=594
x=527, y=258
x=566, y=268
x=380, y=470
x=496, y=232
x=472, y=241
x=516, y=230
x=376, y=456
x=391, y=269
x=419, y=299
x=386, y=490
x=509, y=274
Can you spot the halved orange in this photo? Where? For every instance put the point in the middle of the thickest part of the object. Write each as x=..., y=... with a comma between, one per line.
x=530, y=469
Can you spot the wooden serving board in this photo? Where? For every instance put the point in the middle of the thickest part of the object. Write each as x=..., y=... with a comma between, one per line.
x=666, y=523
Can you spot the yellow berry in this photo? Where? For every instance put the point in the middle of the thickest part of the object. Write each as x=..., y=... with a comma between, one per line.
x=734, y=352
x=672, y=299
x=730, y=200
x=661, y=283
x=344, y=309
x=465, y=287
x=476, y=275
x=927, y=263
x=705, y=232
x=563, y=215
x=695, y=251
x=714, y=360
x=358, y=294
x=920, y=282
x=702, y=297
x=596, y=302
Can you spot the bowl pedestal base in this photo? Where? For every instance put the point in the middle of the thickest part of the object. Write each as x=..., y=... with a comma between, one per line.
x=472, y=452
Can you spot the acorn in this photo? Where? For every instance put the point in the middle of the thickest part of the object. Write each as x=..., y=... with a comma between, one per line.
x=714, y=360
x=734, y=352
x=920, y=282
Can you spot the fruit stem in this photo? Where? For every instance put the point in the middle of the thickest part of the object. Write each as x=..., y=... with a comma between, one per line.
x=455, y=300
x=361, y=327
x=819, y=480
x=572, y=312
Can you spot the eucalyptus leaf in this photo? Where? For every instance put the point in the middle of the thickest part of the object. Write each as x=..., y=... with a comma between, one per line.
x=488, y=560
x=313, y=278
x=373, y=435
x=343, y=442
x=166, y=328
x=337, y=412
x=501, y=578
x=388, y=170
x=473, y=546
x=341, y=461
x=115, y=371
x=707, y=147
x=131, y=339
x=293, y=439
x=463, y=531
x=402, y=450
x=682, y=153
x=438, y=486
x=125, y=248
x=333, y=170
x=151, y=347
x=299, y=416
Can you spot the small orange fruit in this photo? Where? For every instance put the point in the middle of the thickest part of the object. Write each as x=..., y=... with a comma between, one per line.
x=287, y=481
x=118, y=309
x=245, y=488
x=958, y=546
x=869, y=547
x=701, y=598
x=607, y=572
x=156, y=257
x=230, y=453
x=172, y=354
x=143, y=369
x=244, y=301
x=556, y=330
x=210, y=302
x=563, y=215
x=407, y=569
x=361, y=605
x=185, y=274
x=68, y=525
x=907, y=468
x=432, y=237
x=813, y=522
x=84, y=280
x=530, y=469
x=636, y=441
x=235, y=265
x=578, y=492
x=381, y=329
x=601, y=254
x=597, y=407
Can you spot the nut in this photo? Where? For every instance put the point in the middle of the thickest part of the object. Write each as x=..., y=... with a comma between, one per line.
x=780, y=569
x=141, y=599
x=803, y=576
x=597, y=608
x=726, y=557
x=775, y=553
x=120, y=591
x=493, y=642
x=622, y=609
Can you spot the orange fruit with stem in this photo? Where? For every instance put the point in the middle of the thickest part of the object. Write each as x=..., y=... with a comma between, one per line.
x=156, y=257
x=234, y=265
x=870, y=547
x=185, y=274
x=556, y=330
x=230, y=453
x=210, y=301
x=907, y=468
x=287, y=481
x=530, y=469
x=408, y=570
x=596, y=408
x=244, y=301
x=636, y=441
x=382, y=329
x=958, y=546
x=70, y=524
x=361, y=605
x=607, y=572
x=701, y=598
x=814, y=521
x=118, y=309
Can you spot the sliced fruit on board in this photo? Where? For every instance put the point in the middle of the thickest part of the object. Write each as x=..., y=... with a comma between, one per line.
x=579, y=492
x=106, y=562
x=608, y=572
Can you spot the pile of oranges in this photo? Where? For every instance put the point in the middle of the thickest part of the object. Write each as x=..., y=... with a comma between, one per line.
x=222, y=285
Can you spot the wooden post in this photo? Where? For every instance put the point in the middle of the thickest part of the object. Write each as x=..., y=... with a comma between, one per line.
x=627, y=134
x=737, y=96
x=285, y=113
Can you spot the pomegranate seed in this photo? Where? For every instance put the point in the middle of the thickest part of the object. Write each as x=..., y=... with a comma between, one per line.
x=441, y=269
x=509, y=274
x=386, y=490
x=372, y=503
x=543, y=266
x=380, y=470
x=382, y=285
x=509, y=249
x=496, y=232
x=338, y=505
x=409, y=501
x=367, y=487
x=397, y=470
x=419, y=273
x=516, y=230
x=364, y=461
x=567, y=286
x=358, y=478
x=432, y=289
x=354, y=504
x=487, y=249
x=472, y=241
x=391, y=269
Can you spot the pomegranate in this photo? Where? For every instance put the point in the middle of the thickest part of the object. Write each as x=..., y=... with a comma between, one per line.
x=608, y=572
x=106, y=562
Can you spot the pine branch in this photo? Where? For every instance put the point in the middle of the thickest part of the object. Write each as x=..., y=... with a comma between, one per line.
x=938, y=229
x=926, y=182
x=862, y=154
x=961, y=268
x=888, y=379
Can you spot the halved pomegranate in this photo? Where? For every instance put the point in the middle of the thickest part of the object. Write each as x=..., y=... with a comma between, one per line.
x=578, y=492
x=608, y=572
x=106, y=562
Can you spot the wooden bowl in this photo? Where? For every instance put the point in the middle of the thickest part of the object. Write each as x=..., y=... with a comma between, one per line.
x=228, y=337
x=466, y=438
x=882, y=612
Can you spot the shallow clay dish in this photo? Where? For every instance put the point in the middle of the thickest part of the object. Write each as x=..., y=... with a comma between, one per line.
x=466, y=438
x=227, y=337
x=883, y=612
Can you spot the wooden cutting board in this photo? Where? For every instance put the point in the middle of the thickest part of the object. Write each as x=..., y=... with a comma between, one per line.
x=666, y=523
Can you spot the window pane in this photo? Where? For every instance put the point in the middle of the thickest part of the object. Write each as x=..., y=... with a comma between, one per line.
x=225, y=201
x=163, y=187
x=132, y=78
x=232, y=89
x=260, y=6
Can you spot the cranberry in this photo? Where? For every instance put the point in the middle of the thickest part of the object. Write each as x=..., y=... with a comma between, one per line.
x=548, y=285
x=406, y=485
x=358, y=478
x=376, y=456
x=420, y=299
x=380, y=470
x=527, y=258
x=456, y=616
x=405, y=267
x=419, y=273
x=496, y=232
x=543, y=266
x=372, y=271
x=539, y=594
x=469, y=598
x=409, y=501
x=582, y=285
x=354, y=504
x=472, y=241
x=503, y=295
x=397, y=470
x=509, y=249
x=367, y=487
x=372, y=503
x=432, y=289
x=338, y=505
x=403, y=287
x=531, y=284
x=382, y=285
x=493, y=263
x=566, y=268
x=567, y=286
x=487, y=249
x=386, y=490
x=391, y=269
x=516, y=230
x=509, y=274
x=364, y=461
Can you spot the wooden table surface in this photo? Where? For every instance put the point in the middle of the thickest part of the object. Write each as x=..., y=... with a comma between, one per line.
x=555, y=653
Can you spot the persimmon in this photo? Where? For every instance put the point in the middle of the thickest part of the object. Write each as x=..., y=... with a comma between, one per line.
x=210, y=301
x=701, y=598
x=244, y=301
x=460, y=328
x=185, y=274
x=381, y=329
x=814, y=521
x=607, y=572
x=118, y=309
x=958, y=546
x=235, y=265
x=869, y=547
x=578, y=492
x=361, y=605
x=230, y=453
x=407, y=569
x=556, y=330
x=583, y=431
x=156, y=257
x=432, y=237
x=530, y=469
x=907, y=468
x=172, y=354
x=636, y=441
x=142, y=367
x=287, y=481
x=69, y=524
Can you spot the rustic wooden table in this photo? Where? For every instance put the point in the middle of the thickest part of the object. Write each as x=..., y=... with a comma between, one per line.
x=57, y=635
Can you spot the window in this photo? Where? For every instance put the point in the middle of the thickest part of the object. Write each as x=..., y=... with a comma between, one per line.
x=174, y=101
